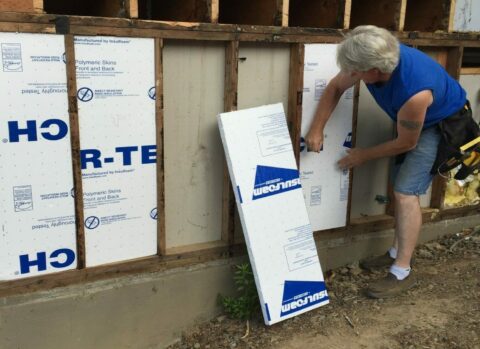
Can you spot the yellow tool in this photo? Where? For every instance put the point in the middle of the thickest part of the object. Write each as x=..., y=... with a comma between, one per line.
x=468, y=158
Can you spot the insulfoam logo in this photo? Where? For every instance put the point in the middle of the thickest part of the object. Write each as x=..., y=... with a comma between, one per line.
x=298, y=295
x=272, y=180
x=58, y=259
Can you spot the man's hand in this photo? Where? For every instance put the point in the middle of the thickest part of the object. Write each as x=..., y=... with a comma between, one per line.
x=314, y=141
x=355, y=157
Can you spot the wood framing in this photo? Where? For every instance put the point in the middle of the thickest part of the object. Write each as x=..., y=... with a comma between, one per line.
x=131, y=8
x=161, y=236
x=347, y=14
x=400, y=17
x=283, y=13
x=213, y=10
x=40, y=23
x=141, y=265
x=451, y=45
x=295, y=96
x=450, y=8
x=19, y=5
x=470, y=71
x=230, y=104
x=356, y=100
x=38, y=6
x=75, y=145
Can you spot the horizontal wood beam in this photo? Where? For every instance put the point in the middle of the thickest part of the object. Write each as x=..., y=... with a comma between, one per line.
x=470, y=71
x=141, y=265
x=28, y=22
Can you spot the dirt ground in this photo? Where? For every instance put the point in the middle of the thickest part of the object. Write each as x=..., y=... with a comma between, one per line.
x=442, y=311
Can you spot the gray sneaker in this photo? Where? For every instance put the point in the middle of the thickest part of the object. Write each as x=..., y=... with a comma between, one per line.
x=377, y=262
x=390, y=286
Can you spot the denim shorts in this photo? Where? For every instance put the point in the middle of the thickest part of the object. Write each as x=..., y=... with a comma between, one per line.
x=412, y=175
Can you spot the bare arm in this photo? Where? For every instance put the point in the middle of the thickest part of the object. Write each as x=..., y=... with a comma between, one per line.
x=410, y=120
x=329, y=100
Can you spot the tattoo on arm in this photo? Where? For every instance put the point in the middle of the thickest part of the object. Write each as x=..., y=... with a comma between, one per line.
x=411, y=125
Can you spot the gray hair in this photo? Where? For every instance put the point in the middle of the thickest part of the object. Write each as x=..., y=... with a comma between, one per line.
x=367, y=47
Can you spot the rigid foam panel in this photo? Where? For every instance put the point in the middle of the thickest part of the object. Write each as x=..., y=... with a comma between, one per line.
x=325, y=185
x=272, y=210
x=37, y=218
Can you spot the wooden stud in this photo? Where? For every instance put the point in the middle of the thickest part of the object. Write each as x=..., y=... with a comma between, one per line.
x=230, y=104
x=213, y=10
x=38, y=6
x=295, y=96
x=282, y=15
x=454, y=61
x=159, y=125
x=356, y=99
x=347, y=14
x=75, y=145
x=131, y=8
x=451, y=15
x=401, y=15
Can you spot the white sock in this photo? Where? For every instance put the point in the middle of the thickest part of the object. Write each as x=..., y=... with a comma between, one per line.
x=393, y=252
x=399, y=272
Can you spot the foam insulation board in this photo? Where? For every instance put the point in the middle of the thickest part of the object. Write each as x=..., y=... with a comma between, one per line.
x=325, y=186
x=37, y=219
x=116, y=106
x=272, y=210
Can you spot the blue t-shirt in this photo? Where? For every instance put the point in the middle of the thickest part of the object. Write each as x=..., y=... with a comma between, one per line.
x=418, y=72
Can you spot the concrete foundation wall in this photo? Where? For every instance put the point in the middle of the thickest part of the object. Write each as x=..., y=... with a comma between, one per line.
x=150, y=311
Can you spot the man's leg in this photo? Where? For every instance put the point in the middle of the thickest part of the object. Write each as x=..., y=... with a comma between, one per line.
x=408, y=221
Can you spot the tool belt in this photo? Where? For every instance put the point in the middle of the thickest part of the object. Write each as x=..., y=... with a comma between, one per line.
x=456, y=130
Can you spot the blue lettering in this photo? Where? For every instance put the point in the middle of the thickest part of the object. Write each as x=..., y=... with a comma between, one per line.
x=62, y=129
x=26, y=263
x=126, y=153
x=69, y=254
x=149, y=154
x=14, y=131
x=90, y=155
x=41, y=261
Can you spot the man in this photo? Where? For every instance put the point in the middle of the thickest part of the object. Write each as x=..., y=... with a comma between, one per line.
x=417, y=93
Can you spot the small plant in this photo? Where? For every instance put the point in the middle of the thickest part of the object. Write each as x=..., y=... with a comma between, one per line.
x=246, y=303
